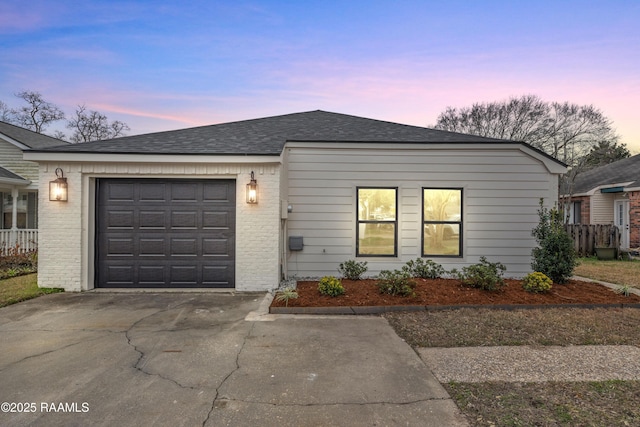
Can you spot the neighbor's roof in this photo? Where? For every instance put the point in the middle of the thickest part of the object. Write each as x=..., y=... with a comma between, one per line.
x=8, y=177
x=623, y=171
x=30, y=139
x=267, y=136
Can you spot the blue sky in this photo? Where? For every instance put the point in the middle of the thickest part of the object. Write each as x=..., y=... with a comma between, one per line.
x=160, y=65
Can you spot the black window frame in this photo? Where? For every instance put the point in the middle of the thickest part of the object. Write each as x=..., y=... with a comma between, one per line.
x=359, y=221
x=458, y=223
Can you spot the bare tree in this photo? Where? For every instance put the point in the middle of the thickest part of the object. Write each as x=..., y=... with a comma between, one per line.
x=90, y=125
x=6, y=115
x=37, y=114
x=563, y=130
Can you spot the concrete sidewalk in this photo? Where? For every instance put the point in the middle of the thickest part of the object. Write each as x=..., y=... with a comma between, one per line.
x=191, y=359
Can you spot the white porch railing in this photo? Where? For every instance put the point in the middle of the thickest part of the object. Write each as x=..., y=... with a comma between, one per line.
x=25, y=240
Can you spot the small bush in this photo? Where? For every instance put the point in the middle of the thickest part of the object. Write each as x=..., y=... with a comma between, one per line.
x=425, y=269
x=395, y=282
x=555, y=256
x=330, y=286
x=352, y=269
x=285, y=295
x=484, y=275
x=536, y=282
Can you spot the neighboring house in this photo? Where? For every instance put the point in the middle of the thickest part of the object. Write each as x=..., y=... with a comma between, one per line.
x=178, y=209
x=19, y=186
x=609, y=194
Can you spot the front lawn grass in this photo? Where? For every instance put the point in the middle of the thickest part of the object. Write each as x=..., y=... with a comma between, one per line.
x=618, y=272
x=22, y=288
x=600, y=403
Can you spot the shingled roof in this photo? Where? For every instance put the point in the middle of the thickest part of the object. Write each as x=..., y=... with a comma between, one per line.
x=620, y=172
x=30, y=139
x=267, y=136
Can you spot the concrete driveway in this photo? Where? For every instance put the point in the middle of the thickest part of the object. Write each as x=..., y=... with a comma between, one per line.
x=206, y=359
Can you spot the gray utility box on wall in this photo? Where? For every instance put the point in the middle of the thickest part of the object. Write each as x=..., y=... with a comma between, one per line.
x=295, y=243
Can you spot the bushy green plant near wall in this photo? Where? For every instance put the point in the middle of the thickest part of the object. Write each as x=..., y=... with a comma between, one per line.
x=555, y=255
x=484, y=275
x=330, y=286
x=352, y=270
x=395, y=282
x=425, y=269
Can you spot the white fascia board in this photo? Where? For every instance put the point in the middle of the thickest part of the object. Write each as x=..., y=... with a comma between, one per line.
x=145, y=158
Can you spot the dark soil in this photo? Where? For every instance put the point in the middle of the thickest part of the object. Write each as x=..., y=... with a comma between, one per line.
x=450, y=292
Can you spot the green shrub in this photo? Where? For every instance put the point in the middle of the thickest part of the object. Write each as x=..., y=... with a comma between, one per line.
x=425, y=269
x=555, y=256
x=352, y=269
x=395, y=282
x=330, y=286
x=536, y=282
x=484, y=275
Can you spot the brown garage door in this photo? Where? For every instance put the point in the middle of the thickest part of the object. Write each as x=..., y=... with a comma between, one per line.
x=165, y=233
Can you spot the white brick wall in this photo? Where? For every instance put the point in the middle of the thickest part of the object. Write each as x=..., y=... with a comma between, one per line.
x=65, y=256
x=59, y=233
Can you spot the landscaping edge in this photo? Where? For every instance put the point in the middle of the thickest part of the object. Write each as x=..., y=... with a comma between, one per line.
x=390, y=308
x=351, y=310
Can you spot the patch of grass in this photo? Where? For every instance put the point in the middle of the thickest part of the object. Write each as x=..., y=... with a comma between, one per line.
x=605, y=403
x=618, y=272
x=22, y=288
x=484, y=327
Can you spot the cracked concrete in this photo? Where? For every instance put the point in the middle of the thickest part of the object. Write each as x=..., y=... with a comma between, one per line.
x=208, y=359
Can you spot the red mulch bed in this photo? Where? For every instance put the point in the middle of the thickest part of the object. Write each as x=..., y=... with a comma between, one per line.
x=450, y=292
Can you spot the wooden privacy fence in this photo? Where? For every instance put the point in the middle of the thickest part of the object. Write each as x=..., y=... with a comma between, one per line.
x=586, y=237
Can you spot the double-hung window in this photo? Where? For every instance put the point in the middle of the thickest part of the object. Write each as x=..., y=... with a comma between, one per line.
x=377, y=230
x=442, y=222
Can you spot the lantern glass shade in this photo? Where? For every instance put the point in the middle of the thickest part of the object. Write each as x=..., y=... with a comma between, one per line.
x=58, y=187
x=252, y=191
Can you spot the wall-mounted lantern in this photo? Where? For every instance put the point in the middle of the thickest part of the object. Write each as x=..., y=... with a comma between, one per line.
x=252, y=191
x=58, y=188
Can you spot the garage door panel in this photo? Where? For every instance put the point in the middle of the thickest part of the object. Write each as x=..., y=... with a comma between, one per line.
x=150, y=247
x=185, y=192
x=165, y=233
x=120, y=219
x=120, y=274
x=215, y=276
x=184, y=220
x=152, y=219
x=153, y=192
x=122, y=247
x=121, y=192
x=212, y=219
x=184, y=247
x=215, y=193
x=216, y=247
x=152, y=275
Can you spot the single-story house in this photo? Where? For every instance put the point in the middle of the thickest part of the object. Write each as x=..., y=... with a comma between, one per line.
x=609, y=194
x=248, y=203
x=19, y=186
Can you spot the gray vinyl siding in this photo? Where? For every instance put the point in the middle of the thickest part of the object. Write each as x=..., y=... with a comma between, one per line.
x=502, y=188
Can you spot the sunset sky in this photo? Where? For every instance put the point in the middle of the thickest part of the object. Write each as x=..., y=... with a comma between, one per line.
x=160, y=65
